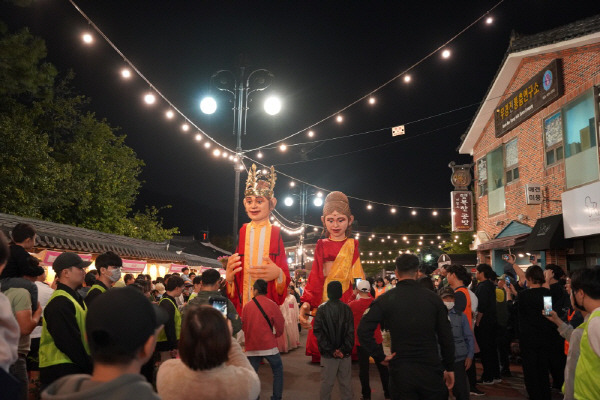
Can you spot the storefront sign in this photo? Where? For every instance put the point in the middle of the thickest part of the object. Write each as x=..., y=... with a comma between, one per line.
x=176, y=268
x=462, y=211
x=581, y=211
x=533, y=193
x=50, y=256
x=133, y=266
x=541, y=90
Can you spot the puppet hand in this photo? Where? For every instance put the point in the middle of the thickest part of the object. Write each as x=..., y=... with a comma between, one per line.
x=234, y=265
x=268, y=271
x=303, y=316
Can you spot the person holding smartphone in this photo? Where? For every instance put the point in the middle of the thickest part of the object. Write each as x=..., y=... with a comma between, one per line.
x=536, y=334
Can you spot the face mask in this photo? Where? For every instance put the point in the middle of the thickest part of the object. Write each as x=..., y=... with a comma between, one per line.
x=449, y=305
x=115, y=275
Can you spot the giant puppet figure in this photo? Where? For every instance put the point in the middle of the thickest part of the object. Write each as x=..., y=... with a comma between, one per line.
x=260, y=253
x=337, y=258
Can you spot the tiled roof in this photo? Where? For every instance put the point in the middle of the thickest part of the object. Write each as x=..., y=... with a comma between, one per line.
x=69, y=238
x=570, y=31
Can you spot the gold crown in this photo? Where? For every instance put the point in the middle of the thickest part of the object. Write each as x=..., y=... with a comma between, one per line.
x=261, y=182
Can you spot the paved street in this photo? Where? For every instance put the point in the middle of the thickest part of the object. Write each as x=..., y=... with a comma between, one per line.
x=302, y=380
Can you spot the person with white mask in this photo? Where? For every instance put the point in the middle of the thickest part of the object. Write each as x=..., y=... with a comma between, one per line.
x=109, y=272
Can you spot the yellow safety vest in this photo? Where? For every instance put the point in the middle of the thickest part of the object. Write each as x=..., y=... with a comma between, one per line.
x=50, y=354
x=95, y=286
x=162, y=336
x=587, y=384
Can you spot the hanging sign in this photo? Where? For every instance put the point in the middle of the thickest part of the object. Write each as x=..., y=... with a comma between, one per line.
x=541, y=90
x=177, y=268
x=462, y=211
x=133, y=266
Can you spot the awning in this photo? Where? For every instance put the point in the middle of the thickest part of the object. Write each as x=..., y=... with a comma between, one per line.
x=548, y=233
x=508, y=241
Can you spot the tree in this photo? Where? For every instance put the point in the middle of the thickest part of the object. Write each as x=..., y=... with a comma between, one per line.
x=61, y=163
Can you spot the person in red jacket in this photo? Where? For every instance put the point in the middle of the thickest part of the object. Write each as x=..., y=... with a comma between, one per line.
x=358, y=307
x=263, y=323
x=337, y=258
x=260, y=252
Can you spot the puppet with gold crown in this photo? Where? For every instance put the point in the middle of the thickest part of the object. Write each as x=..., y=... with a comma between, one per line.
x=260, y=253
x=336, y=259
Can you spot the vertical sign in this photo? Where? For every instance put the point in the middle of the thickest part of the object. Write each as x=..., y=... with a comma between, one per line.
x=462, y=211
x=533, y=193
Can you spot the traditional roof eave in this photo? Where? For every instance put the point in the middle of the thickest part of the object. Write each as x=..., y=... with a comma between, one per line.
x=503, y=78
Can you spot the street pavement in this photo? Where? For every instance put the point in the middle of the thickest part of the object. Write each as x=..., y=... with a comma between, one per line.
x=302, y=380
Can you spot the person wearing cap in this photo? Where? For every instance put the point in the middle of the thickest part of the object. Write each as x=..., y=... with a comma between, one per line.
x=358, y=307
x=63, y=346
x=464, y=344
x=108, y=265
x=336, y=257
x=169, y=336
x=20, y=301
x=334, y=330
x=263, y=323
x=118, y=351
x=209, y=287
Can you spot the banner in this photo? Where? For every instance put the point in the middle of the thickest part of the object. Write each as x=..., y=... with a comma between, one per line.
x=50, y=256
x=177, y=268
x=133, y=266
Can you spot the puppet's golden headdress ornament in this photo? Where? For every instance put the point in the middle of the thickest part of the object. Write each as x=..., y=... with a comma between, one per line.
x=260, y=182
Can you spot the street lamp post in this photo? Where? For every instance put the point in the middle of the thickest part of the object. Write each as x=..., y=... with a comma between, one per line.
x=303, y=197
x=240, y=86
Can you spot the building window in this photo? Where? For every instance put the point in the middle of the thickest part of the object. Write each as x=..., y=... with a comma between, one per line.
x=553, y=138
x=482, y=176
x=511, y=161
x=581, y=151
x=495, y=181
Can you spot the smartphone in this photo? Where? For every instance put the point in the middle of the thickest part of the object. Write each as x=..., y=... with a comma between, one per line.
x=220, y=303
x=356, y=281
x=547, y=305
x=507, y=279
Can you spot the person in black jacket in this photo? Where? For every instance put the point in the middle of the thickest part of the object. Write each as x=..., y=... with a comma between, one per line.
x=486, y=324
x=418, y=323
x=334, y=330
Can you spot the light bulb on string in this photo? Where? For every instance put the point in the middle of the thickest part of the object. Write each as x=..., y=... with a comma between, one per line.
x=170, y=114
x=339, y=118
x=149, y=98
x=282, y=147
x=259, y=155
x=489, y=20
x=224, y=154
x=393, y=210
x=207, y=144
x=369, y=207
x=198, y=137
x=216, y=152
x=446, y=53
x=87, y=38
x=434, y=213
x=126, y=73
x=371, y=100
x=414, y=212
x=292, y=184
x=311, y=134
x=407, y=78
x=185, y=127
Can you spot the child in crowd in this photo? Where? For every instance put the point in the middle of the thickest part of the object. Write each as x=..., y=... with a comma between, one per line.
x=464, y=345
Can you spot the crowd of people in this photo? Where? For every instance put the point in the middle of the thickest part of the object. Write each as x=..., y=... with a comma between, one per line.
x=100, y=334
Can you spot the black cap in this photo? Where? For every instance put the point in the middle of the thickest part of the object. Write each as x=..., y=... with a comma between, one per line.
x=122, y=319
x=68, y=260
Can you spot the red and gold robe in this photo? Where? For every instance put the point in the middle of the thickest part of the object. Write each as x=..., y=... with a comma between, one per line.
x=346, y=267
x=252, y=243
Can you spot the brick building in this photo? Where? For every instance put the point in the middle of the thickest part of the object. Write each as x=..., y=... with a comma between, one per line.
x=534, y=142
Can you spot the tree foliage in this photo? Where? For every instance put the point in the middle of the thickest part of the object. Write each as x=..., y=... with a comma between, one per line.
x=59, y=162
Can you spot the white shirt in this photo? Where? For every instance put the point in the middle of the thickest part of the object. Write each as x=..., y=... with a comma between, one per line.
x=44, y=293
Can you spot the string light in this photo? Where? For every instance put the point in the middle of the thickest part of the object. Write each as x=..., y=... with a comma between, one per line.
x=170, y=114
x=446, y=53
x=311, y=134
x=198, y=137
x=87, y=38
x=489, y=20
x=185, y=127
x=207, y=144
x=371, y=100
x=407, y=78
x=369, y=207
x=150, y=98
x=283, y=147
x=393, y=210
x=216, y=152
x=434, y=213
x=126, y=73
x=414, y=212
x=339, y=118
x=259, y=155
x=224, y=154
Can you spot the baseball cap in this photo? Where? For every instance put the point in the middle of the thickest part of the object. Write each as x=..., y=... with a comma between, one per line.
x=68, y=260
x=122, y=319
x=363, y=286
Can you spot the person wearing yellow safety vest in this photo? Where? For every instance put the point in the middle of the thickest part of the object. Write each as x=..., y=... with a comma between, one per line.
x=109, y=266
x=168, y=339
x=63, y=346
x=585, y=289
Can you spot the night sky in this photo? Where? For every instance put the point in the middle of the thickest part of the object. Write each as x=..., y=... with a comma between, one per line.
x=325, y=56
